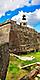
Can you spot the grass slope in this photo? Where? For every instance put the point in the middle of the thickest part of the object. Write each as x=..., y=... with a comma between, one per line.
x=14, y=73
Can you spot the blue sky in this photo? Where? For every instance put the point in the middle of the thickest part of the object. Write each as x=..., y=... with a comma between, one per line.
x=11, y=8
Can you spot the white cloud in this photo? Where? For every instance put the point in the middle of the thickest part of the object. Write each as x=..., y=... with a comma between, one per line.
x=6, y=5
x=38, y=14
x=1, y=14
x=12, y=4
x=35, y=2
x=32, y=18
x=30, y=26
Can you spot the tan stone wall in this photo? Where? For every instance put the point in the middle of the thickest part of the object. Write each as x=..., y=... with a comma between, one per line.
x=4, y=60
x=26, y=39
x=4, y=49
x=4, y=33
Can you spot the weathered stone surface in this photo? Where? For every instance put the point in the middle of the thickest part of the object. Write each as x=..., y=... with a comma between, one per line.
x=4, y=49
x=24, y=39
x=4, y=33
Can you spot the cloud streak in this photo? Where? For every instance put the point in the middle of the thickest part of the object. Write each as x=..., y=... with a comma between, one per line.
x=6, y=5
x=11, y=4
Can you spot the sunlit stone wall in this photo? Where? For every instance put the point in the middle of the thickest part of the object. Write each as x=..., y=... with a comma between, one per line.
x=4, y=49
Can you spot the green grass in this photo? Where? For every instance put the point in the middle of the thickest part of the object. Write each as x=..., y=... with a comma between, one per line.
x=13, y=68
x=14, y=71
